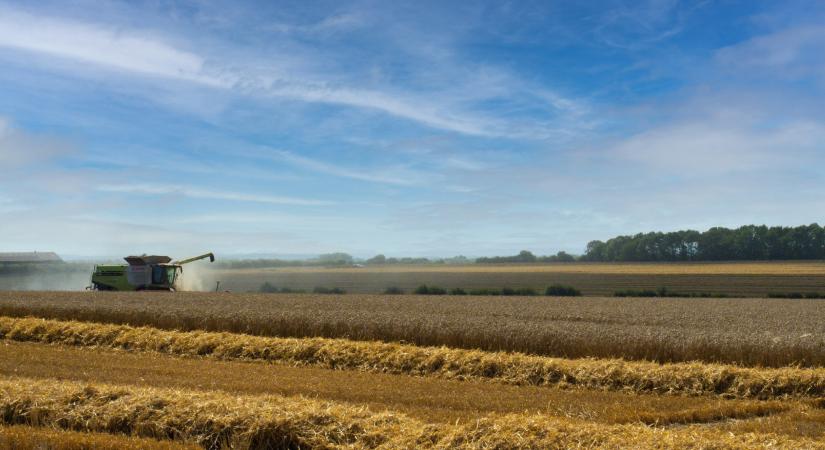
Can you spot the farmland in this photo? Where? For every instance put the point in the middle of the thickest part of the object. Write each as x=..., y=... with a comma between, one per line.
x=160, y=370
x=767, y=332
x=747, y=279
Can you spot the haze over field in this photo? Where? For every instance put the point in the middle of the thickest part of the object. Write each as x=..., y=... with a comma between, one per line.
x=426, y=128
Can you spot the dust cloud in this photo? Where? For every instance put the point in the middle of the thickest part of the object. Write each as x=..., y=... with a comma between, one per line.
x=196, y=277
x=45, y=280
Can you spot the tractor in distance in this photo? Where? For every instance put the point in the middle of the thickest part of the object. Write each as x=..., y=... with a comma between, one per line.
x=143, y=273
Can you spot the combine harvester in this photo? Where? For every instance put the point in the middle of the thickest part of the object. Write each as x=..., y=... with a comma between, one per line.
x=143, y=273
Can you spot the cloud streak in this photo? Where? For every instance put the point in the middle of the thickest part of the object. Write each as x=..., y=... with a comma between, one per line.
x=702, y=148
x=198, y=193
x=141, y=52
x=402, y=177
x=100, y=45
x=795, y=46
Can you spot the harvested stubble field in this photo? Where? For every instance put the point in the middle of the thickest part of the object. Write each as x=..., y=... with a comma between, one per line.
x=217, y=420
x=754, y=279
x=192, y=397
x=22, y=437
x=179, y=383
x=429, y=399
x=753, y=332
x=442, y=362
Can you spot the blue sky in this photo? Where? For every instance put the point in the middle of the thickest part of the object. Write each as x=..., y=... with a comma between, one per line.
x=420, y=128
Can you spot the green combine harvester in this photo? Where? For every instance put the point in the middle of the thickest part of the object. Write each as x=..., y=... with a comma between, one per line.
x=143, y=273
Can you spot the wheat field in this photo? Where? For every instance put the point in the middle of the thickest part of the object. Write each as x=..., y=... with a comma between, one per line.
x=754, y=332
x=256, y=371
x=221, y=420
x=746, y=279
x=428, y=398
x=511, y=368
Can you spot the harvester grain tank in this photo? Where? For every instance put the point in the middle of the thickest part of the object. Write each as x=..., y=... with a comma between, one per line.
x=142, y=273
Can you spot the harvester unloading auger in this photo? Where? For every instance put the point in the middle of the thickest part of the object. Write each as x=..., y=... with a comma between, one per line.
x=143, y=273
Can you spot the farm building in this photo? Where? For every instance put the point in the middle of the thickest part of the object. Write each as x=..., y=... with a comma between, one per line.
x=29, y=257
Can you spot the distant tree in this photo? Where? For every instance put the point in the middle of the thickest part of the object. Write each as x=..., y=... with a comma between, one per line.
x=335, y=258
x=749, y=242
x=524, y=256
x=377, y=259
x=565, y=257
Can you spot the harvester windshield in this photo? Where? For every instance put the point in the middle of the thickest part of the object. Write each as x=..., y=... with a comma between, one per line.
x=163, y=275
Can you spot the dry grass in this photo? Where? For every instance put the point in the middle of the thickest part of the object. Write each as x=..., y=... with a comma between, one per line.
x=429, y=399
x=518, y=369
x=22, y=437
x=754, y=279
x=758, y=332
x=216, y=419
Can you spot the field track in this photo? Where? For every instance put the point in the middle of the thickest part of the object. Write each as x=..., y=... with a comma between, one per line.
x=756, y=332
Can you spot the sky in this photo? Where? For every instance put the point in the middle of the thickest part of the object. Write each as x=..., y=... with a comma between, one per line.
x=403, y=128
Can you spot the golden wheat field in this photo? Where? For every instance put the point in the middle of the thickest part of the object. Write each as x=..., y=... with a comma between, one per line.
x=748, y=279
x=261, y=371
x=767, y=332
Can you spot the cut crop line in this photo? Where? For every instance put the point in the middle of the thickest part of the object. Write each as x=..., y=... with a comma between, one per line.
x=512, y=368
x=219, y=420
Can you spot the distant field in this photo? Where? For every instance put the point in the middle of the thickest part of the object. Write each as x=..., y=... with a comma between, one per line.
x=769, y=332
x=745, y=279
x=754, y=279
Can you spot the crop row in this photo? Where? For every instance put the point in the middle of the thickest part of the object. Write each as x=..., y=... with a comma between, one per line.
x=219, y=420
x=752, y=332
x=512, y=368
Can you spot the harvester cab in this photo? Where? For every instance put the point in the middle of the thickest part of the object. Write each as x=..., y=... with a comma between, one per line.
x=142, y=273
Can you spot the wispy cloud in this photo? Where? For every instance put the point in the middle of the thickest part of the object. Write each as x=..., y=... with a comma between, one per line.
x=330, y=24
x=707, y=148
x=143, y=52
x=397, y=176
x=192, y=192
x=101, y=45
x=792, y=51
x=642, y=24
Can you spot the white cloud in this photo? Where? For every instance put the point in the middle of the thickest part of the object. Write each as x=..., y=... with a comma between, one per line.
x=330, y=24
x=398, y=176
x=144, y=53
x=795, y=51
x=714, y=148
x=96, y=44
x=161, y=189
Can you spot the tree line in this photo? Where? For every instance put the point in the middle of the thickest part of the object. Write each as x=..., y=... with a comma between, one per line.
x=525, y=256
x=746, y=243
